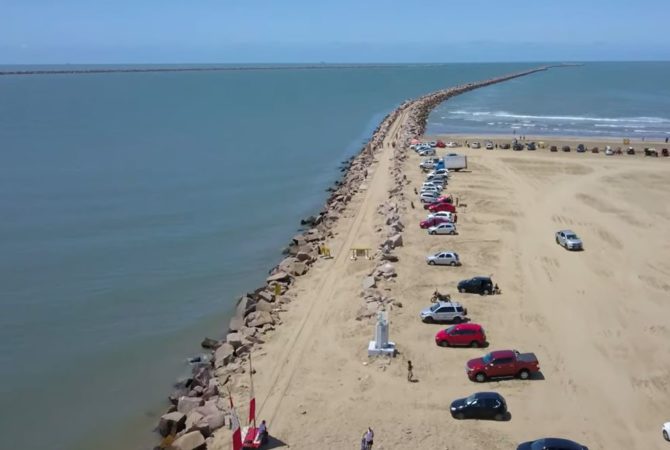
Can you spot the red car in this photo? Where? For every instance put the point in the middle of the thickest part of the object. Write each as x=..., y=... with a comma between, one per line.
x=437, y=207
x=440, y=144
x=464, y=334
x=432, y=222
x=502, y=363
x=443, y=199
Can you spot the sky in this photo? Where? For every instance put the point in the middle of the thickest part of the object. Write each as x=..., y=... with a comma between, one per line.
x=340, y=31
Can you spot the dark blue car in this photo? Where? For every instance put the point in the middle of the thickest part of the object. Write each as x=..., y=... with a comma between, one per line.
x=551, y=444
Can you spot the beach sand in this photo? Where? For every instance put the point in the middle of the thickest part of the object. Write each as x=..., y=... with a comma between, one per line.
x=597, y=319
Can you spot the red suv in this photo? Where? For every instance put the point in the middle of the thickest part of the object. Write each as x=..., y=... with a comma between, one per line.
x=464, y=334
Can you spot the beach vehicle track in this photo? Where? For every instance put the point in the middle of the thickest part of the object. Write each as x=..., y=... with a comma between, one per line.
x=287, y=364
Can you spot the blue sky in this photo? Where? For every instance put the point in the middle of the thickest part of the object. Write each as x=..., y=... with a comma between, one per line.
x=247, y=31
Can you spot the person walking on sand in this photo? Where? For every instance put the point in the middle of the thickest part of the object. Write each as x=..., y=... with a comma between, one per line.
x=369, y=437
x=410, y=373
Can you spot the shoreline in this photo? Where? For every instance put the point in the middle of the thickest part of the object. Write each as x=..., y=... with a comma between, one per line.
x=197, y=409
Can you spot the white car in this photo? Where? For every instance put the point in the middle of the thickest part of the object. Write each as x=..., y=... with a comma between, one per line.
x=569, y=240
x=430, y=188
x=427, y=152
x=446, y=214
x=489, y=145
x=475, y=145
x=452, y=144
x=666, y=431
x=428, y=197
x=443, y=259
x=442, y=172
x=609, y=151
x=444, y=312
x=428, y=163
x=431, y=184
x=436, y=179
x=443, y=228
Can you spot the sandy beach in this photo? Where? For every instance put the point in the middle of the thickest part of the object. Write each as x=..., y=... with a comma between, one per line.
x=595, y=319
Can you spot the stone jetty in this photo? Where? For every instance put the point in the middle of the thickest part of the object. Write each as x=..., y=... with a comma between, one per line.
x=196, y=407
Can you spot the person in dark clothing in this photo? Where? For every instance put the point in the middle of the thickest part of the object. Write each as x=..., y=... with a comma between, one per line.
x=410, y=371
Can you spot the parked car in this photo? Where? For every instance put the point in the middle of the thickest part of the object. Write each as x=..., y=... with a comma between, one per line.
x=447, y=214
x=427, y=152
x=443, y=258
x=553, y=148
x=462, y=335
x=442, y=172
x=443, y=228
x=666, y=431
x=551, y=444
x=430, y=188
x=437, y=179
x=481, y=405
x=501, y=364
x=440, y=144
x=444, y=312
x=433, y=222
x=434, y=184
x=581, y=148
x=442, y=207
x=428, y=197
x=476, y=285
x=565, y=148
x=452, y=144
x=517, y=146
x=569, y=240
x=504, y=146
x=428, y=163
x=489, y=145
x=531, y=146
x=475, y=145
x=609, y=151
x=630, y=151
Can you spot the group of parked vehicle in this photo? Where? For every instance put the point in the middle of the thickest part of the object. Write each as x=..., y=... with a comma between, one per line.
x=497, y=364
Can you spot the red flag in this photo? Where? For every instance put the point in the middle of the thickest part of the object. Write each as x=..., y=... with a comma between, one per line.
x=252, y=402
x=235, y=426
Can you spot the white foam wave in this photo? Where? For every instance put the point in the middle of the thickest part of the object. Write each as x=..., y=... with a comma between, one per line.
x=507, y=115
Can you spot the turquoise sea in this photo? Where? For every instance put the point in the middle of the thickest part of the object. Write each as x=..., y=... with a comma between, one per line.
x=137, y=206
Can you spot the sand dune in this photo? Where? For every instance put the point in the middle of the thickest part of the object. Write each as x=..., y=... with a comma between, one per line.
x=597, y=319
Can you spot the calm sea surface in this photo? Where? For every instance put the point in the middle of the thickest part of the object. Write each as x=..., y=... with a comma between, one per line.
x=135, y=207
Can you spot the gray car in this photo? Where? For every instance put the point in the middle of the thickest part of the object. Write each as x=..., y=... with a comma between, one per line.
x=569, y=240
x=444, y=312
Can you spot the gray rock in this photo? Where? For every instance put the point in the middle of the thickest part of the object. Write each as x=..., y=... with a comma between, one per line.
x=265, y=295
x=278, y=276
x=236, y=322
x=369, y=282
x=174, y=421
x=396, y=240
x=259, y=318
x=234, y=339
x=224, y=355
x=264, y=306
x=387, y=270
x=187, y=404
x=304, y=257
x=243, y=349
x=215, y=420
x=193, y=440
x=389, y=257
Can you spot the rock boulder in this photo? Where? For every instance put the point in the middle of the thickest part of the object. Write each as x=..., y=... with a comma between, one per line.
x=190, y=441
x=171, y=422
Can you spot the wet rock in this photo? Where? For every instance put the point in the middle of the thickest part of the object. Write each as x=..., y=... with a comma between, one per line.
x=171, y=422
x=193, y=440
x=210, y=343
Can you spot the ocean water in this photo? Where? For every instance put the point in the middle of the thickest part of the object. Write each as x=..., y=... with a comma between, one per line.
x=621, y=100
x=135, y=207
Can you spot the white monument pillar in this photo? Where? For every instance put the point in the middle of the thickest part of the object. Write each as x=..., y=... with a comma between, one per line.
x=381, y=344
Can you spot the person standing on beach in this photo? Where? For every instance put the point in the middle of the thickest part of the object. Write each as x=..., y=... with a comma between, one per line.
x=369, y=437
x=410, y=372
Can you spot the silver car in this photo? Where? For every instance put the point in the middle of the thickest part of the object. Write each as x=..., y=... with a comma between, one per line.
x=443, y=228
x=569, y=240
x=444, y=259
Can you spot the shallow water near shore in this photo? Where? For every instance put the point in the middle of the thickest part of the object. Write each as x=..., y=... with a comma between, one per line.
x=608, y=100
x=138, y=206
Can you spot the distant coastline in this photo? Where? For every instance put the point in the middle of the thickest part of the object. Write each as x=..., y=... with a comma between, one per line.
x=126, y=69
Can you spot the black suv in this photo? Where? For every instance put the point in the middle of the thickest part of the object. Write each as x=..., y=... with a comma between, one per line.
x=476, y=285
x=482, y=405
